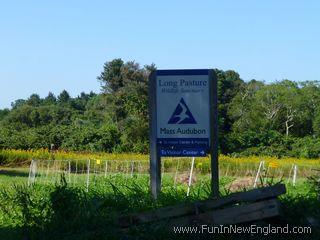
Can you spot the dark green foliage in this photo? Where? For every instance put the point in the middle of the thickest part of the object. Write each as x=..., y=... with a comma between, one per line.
x=34, y=100
x=277, y=119
x=64, y=97
x=90, y=138
x=111, y=78
x=116, y=120
x=229, y=84
x=3, y=113
x=26, y=209
x=308, y=147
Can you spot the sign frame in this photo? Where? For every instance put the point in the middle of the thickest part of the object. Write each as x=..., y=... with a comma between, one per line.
x=155, y=157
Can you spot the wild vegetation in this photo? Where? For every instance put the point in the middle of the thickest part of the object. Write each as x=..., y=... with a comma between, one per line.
x=61, y=211
x=255, y=118
x=228, y=165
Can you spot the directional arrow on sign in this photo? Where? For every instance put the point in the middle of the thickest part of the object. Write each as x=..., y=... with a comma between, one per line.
x=183, y=152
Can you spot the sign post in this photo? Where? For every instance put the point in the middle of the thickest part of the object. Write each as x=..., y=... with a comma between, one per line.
x=183, y=119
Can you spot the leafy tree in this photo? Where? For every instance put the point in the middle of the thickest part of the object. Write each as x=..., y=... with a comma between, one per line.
x=4, y=113
x=18, y=103
x=19, y=118
x=111, y=77
x=61, y=115
x=50, y=99
x=34, y=100
x=99, y=109
x=310, y=99
x=290, y=97
x=229, y=83
x=64, y=97
x=126, y=89
x=243, y=108
x=316, y=122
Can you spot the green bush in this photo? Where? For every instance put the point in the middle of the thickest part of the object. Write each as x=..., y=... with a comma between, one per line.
x=307, y=147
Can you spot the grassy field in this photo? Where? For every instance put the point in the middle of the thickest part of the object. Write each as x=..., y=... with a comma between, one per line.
x=13, y=176
x=59, y=205
x=62, y=211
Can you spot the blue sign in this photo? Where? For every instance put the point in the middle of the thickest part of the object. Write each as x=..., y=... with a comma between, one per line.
x=183, y=112
x=183, y=152
x=183, y=142
x=183, y=105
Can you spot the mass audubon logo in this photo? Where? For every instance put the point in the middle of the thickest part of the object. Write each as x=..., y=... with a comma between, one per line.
x=182, y=114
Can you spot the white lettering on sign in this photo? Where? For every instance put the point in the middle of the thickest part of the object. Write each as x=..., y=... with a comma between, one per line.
x=182, y=83
x=169, y=131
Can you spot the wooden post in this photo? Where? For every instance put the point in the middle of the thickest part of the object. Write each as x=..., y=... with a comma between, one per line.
x=155, y=159
x=213, y=95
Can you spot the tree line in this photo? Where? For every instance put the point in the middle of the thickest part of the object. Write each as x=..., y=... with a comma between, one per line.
x=278, y=119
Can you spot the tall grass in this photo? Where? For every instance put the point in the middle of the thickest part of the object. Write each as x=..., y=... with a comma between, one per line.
x=13, y=157
x=229, y=166
x=64, y=212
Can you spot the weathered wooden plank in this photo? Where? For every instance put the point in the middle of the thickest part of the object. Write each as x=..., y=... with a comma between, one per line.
x=233, y=215
x=194, y=208
x=247, y=213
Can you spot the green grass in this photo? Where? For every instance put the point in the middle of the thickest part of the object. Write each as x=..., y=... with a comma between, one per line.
x=62, y=211
x=13, y=176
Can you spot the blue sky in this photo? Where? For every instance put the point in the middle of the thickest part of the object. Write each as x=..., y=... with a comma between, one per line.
x=55, y=45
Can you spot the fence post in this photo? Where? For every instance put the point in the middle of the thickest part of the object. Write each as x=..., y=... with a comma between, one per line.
x=132, y=167
x=176, y=174
x=76, y=174
x=127, y=170
x=106, y=170
x=227, y=171
x=162, y=168
x=290, y=172
x=47, y=173
x=69, y=171
x=261, y=165
x=32, y=172
x=190, y=176
x=295, y=169
x=88, y=175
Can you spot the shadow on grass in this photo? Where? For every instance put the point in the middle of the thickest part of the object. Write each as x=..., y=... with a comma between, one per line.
x=13, y=173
